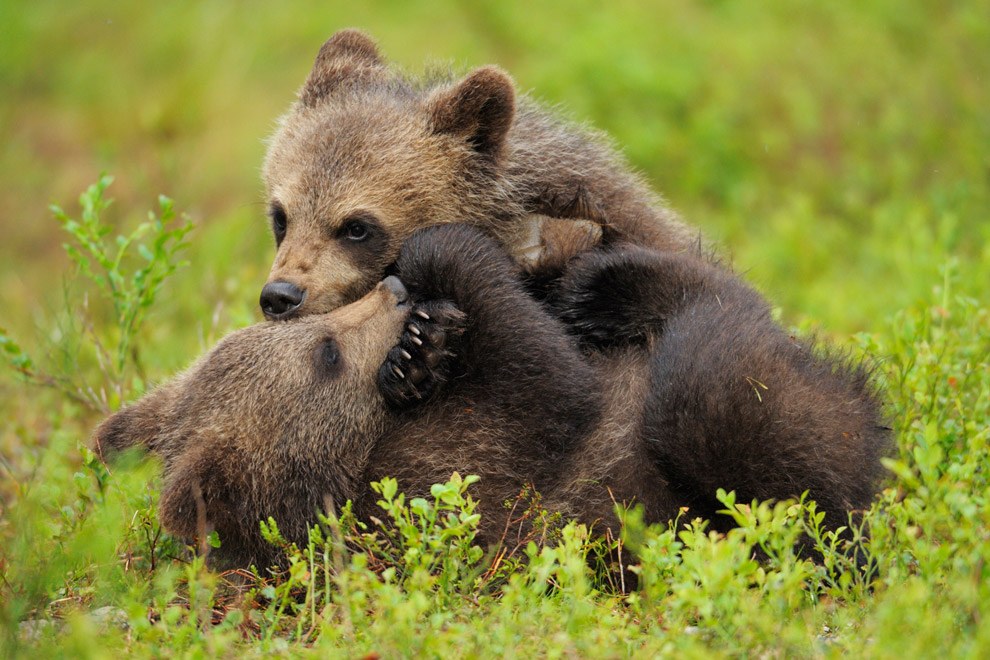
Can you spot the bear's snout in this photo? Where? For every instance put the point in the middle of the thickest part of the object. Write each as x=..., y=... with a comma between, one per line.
x=398, y=289
x=281, y=300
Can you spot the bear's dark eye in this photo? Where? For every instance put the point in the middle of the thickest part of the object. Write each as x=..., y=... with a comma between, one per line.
x=328, y=355
x=356, y=230
x=280, y=221
x=364, y=236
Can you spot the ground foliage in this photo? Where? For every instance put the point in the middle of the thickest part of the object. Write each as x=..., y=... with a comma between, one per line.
x=838, y=153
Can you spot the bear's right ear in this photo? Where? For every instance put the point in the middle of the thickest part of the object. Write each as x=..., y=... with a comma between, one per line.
x=139, y=424
x=346, y=55
x=479, y=109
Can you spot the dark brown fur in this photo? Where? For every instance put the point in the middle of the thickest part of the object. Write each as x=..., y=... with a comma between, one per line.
x=734, y=401
x=398, y=153
x=691, y=387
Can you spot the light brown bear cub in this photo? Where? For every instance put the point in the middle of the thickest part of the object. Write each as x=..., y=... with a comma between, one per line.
x=366, y=156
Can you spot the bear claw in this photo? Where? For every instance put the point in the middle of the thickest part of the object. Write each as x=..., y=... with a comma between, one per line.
x=417, y=365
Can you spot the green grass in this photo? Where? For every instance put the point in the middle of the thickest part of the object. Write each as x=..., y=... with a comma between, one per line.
x=839, y=152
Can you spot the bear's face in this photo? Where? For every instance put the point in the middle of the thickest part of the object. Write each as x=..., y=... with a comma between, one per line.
x=315, y=377
x=346, y=186
x=268, y=403
x=362, y=160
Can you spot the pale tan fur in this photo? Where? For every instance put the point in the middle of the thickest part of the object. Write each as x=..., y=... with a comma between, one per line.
x=365, y=139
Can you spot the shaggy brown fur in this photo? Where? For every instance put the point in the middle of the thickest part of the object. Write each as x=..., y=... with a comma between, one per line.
x=692, y=387
x=366, y=156
x=732, y=400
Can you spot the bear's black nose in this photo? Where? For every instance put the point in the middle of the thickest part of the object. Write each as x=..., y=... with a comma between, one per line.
x=280, y=300
x=398, y=289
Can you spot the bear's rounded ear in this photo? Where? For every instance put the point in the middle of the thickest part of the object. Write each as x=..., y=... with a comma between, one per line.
x=479, y=108
x=347, y=54
x=139, y=424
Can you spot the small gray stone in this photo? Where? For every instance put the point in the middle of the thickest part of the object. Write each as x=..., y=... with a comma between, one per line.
x=110, y=617
x=33, y=629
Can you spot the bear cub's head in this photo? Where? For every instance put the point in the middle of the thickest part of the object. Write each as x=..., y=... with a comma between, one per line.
x=274, y=421
x=366, y=156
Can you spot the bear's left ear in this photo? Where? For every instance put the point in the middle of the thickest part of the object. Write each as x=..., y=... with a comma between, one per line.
x=139, y=424
x=479, y=109
x=348, y=54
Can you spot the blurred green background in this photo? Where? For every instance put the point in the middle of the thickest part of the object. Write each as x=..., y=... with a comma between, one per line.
x=837, y=152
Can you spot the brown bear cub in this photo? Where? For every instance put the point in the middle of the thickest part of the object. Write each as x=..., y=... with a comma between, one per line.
x=366, y=156
x=451, y=365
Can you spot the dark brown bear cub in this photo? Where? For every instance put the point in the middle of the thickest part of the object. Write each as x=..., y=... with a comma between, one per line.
x=281, y=417
x=452, y=366
x=733, y=400
x=366, y=156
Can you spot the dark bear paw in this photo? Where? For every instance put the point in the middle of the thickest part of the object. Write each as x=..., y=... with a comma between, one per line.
x=416, y=368
x=609, y=297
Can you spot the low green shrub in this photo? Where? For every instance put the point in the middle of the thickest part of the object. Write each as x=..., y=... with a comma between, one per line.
x=85, y=568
